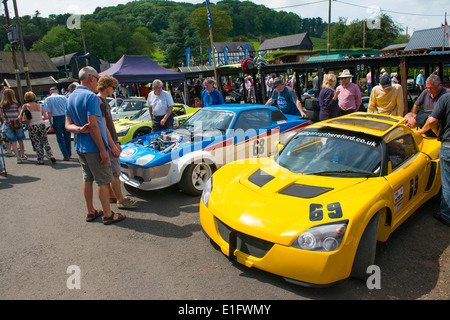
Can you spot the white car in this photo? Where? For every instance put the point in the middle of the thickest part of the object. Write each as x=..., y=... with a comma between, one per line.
x=126, y=107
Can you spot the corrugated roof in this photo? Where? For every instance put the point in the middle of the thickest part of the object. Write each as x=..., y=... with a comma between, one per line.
x=59, y=61
x=427, y=39
x=38, y=62
x=283, y=42
x=12, y=83
x=395, y=47
x=325, y=58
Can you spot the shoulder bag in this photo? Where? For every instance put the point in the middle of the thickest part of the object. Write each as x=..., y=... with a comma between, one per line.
x=13, y=124
x=26, y=115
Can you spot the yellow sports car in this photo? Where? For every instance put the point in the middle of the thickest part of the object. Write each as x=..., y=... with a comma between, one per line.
x=140, y=123
x=313, y=213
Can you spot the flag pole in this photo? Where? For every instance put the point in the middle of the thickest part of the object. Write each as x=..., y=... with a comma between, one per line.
x=211, y=37
x=445, y=31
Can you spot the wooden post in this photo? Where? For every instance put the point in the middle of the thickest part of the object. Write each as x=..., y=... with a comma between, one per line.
x=404, y=83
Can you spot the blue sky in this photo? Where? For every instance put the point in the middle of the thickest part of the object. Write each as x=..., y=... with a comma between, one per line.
x=411, y=14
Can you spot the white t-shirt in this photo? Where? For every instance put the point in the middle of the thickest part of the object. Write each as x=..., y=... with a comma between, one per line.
x=161, y=103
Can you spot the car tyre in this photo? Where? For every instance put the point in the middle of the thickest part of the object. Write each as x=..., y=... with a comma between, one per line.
x=141, y=132
x=195, y=177
x=365, y=254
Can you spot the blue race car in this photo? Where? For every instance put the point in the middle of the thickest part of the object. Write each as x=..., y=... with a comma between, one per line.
x=211, y=138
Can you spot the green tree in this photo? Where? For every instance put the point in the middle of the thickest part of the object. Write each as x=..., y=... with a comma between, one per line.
x=142, y=42
x=180, y=34
x=221, y=23
x=59, y=38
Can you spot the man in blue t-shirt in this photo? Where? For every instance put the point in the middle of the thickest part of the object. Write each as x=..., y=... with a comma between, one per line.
x=286, y=99
x=84, y=117
x=211, y=96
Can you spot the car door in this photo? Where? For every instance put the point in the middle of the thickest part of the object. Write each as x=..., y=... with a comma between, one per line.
x=250, y=139
x=407, y=167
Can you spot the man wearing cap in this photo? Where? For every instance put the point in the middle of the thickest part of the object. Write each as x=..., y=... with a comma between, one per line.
x=386, y=98
x=349, y=94
x=55, y=106
x=286, y=99
x=70, y=89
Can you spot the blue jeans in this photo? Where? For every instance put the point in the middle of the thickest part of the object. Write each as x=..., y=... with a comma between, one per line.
x=445, y=177
x=369, y=89
x=62, y=136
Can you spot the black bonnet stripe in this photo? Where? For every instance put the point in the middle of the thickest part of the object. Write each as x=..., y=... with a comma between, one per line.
x=260, y=178
x=304, y=191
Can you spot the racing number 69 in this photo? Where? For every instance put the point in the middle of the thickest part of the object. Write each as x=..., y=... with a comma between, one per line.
x=316, y=211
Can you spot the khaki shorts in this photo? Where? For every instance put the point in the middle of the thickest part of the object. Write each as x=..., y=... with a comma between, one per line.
x=115, y=164
x=93, y=170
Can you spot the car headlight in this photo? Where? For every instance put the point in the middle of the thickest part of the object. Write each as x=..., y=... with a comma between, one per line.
x=123, y=132
x=326, y=237
x=207, y=192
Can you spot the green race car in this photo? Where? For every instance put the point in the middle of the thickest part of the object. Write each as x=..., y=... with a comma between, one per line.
x=141, y=124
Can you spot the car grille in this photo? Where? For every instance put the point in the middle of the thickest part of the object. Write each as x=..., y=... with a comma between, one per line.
x=245, y=243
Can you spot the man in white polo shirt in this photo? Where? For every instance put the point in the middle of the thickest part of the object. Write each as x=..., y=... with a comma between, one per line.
x=160, y=104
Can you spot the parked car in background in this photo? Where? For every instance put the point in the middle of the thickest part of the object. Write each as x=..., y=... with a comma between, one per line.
x=212, y=137
x=141, y=124
x=126, y=107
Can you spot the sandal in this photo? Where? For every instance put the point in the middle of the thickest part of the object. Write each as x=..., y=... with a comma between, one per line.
x=92, y=216
x=127, y=203
x=110, y=219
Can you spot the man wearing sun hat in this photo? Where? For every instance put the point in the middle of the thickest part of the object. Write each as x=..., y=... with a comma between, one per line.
x=349, y=94
x=386, y=98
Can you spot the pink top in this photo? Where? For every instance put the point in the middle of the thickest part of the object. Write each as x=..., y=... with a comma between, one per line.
x=349, y=97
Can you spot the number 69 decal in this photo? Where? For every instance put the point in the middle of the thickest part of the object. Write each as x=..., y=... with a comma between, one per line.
x=316, y=211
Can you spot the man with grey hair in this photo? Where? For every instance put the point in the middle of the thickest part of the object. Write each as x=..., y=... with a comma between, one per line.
x=84, y=117
x=160, y=104
x=429, y=97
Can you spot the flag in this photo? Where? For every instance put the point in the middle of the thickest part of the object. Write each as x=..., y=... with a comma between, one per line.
x=209, y=57
x=188, y=57
x=225, y=55
x=246, y=51
x=209, y=14
x=446, y=31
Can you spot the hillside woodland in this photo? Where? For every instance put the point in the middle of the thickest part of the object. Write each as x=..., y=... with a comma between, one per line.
x=152, y=27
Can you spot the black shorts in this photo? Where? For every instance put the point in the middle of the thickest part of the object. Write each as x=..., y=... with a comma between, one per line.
x=156, y=123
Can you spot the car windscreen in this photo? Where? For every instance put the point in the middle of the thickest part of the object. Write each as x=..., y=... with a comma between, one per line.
x=332, y=153
x=141, y=115
x=208, y=120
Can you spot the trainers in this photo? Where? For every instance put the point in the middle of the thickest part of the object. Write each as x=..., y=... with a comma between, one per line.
x=24, y=158
x=127, y=203
x=10, y=154
x=19, y=160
